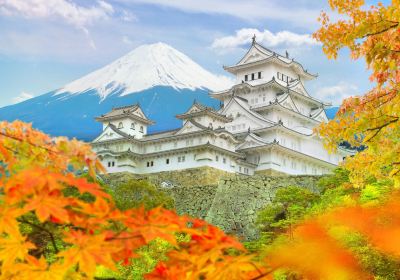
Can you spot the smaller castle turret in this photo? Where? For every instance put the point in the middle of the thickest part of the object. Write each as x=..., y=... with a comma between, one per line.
x=128, y=119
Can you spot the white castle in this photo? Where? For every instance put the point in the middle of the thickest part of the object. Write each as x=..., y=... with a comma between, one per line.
x=265, y=125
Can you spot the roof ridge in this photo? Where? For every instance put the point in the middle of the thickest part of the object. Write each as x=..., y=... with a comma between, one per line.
x=125, y=107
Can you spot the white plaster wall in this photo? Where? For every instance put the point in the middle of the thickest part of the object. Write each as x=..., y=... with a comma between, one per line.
x=196, y=159
x=296, y=165
x=268, y=71
x=128, y=129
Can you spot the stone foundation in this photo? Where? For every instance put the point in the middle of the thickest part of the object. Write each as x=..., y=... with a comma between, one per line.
x=187, y=177
x=229, y=201
x=271, y=172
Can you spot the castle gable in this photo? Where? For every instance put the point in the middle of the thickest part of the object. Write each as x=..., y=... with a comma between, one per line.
x=139, y=112
x=190, y=127
x=299, y=87
x=109, y=134
x=287, y=102
x=251, y=141
x=239, y=109
x=254, y=54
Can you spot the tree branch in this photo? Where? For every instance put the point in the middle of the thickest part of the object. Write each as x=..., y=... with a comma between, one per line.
x=379, y=128
x=53, y=241
x=381, y=31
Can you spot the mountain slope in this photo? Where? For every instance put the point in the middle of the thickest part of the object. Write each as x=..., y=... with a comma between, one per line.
x=145, y=67
x=163, y=80
x=74, y=116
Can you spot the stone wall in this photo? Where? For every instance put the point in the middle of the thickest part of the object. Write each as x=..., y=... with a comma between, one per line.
x=238, y=199
x=226, y=200
x=195, y=201
x=187, y=177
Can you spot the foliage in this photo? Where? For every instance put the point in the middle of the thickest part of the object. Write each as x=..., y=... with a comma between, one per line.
x=287, y=209
x=371, y=120
x=55, y=225
x=280, y=236
x=339, y=177
x=135, y=193
x=358, y=239
x=149, y=254
x=49, y=231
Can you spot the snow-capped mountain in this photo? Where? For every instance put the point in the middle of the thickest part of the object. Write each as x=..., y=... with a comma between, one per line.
x=145, y=67
x=163, y=80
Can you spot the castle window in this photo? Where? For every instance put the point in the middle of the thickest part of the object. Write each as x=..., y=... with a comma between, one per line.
x=113, y=164
x=167, y=161
x=141, y=128
x=240, y=169
x=216, y=158
x=133, y=126
x=152, y=163
x=246, y=77
x=120, y=125
x=109, y=164
x=252, y=76
x=181, y=159
x=259, y=75
x=148, y=164
x=224, y=160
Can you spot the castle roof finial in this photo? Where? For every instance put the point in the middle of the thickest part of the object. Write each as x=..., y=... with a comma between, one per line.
x=254, y=39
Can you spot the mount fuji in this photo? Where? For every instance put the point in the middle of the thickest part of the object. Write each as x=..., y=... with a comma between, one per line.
x=164, y=81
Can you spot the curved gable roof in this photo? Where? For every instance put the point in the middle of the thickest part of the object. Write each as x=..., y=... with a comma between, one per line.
x=264, y=55
x=246, y=108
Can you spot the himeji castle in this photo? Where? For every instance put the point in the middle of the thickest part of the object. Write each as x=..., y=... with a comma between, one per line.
x=265, y=125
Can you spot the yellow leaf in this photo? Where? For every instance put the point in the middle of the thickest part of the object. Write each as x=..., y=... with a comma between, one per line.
x=12, y=248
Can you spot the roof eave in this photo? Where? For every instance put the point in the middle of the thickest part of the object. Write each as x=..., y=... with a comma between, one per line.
x=104, y=119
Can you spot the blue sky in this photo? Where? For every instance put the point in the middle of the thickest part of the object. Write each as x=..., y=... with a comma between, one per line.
x=48, y=43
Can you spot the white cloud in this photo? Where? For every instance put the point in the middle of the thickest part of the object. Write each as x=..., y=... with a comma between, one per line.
x=301, y=13
x=266, y=37
x=128, y=16
x=337, y=93
x=78, y=16
x=22, y=97
x=70, y=12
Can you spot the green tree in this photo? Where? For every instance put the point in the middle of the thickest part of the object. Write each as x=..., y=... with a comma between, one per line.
x=135, y=193
x=288, y=207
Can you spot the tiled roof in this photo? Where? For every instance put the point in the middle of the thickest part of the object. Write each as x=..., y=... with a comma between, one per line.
x=126, y=111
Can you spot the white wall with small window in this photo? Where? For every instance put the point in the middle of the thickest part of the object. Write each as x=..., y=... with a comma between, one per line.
x=131, y=127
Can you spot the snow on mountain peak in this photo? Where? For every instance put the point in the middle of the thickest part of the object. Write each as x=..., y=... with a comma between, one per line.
x=145, y=67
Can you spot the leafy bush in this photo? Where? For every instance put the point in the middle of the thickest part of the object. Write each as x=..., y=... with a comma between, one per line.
x=136, y=193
